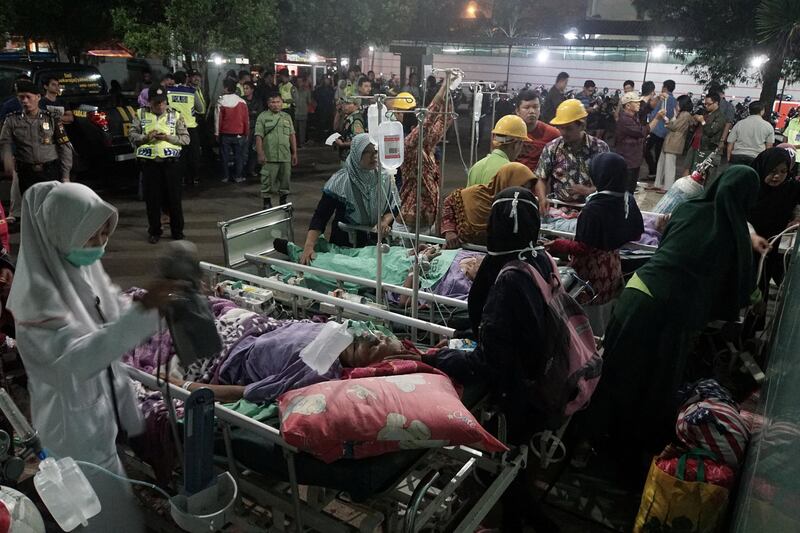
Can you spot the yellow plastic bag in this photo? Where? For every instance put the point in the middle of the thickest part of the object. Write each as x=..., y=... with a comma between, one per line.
x=671, y=504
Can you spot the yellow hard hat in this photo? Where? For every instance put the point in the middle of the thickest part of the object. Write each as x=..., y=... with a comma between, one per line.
x=511, y=126
x=569, y=111
x=404, y=101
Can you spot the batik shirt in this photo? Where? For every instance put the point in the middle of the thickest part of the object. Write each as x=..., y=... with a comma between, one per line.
x=561, y=166
x=435, y=127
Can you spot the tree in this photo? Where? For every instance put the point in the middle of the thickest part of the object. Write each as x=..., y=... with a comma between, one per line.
x=196, y=29
x=344, y=26
x=68, y=25
x=778, y=22
x=719, y=38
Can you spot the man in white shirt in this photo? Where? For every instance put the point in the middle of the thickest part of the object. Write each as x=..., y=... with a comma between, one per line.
x=750, y=137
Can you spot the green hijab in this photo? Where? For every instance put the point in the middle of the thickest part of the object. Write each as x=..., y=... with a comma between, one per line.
x=365, y=193
x=704, y=265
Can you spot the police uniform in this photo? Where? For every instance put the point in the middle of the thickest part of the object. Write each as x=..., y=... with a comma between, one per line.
x=160, y=168
x=41, y=147
x=275, y=130
x=289, y=96
x=185, y=100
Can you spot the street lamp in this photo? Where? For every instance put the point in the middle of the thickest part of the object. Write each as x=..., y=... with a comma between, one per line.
x=471, y=11
x=543, y=55
x=217, y=60
x=758, y=61
x=659, y=50
x=571, y=34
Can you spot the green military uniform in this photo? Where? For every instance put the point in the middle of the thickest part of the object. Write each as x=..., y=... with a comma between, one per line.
x=43, y=150
x=276, y=130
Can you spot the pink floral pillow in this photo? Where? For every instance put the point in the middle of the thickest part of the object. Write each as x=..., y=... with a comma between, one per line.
x=358, y=418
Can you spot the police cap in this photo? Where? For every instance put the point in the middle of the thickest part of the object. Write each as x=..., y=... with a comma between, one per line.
x=157, y=94
x=24, y=86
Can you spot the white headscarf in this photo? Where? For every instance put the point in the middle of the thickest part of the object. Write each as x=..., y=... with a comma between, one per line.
x=48, y=291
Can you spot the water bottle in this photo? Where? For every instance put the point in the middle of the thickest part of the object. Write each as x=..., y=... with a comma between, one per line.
x=391, y=145
x=373, y=120
x=66, y=492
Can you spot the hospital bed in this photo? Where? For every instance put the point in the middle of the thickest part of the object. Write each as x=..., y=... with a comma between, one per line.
x=406, y=491
x=634, y=249
x=248, y=246
x=631, y=249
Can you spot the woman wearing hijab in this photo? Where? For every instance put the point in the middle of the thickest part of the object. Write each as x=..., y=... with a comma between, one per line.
x=776, y=207
x=72, y=328
x=702, y=271
x=610, y=219
x=466, y=211
x=357, y=194
x=515, y=334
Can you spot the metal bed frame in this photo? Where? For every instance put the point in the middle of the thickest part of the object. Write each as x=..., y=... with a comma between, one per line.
x=412, y=504
x=242, y=240
x=254, y=233
x=634, y=247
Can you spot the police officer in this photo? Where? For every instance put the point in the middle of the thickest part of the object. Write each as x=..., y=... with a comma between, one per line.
x=43, y=150
x=288, y=93
x=184, y=99
x=159, y=133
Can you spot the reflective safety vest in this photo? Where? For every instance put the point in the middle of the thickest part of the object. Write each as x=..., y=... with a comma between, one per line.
x=792, y=134
x=181, y=99
x=166, y=123
x=286, y=94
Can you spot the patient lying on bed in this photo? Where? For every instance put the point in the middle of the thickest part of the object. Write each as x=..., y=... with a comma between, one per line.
x=297, y=354
x=444, y=272
x=653, y=226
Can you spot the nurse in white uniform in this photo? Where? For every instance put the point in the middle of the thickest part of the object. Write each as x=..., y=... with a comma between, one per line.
x=73, y=326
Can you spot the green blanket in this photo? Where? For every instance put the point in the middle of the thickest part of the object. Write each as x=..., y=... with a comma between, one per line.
x=257, y=411
x=362, y=262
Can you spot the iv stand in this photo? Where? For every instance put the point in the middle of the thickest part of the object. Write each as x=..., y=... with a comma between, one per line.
x=479, y=86
x=380, y=99
x=495, y=97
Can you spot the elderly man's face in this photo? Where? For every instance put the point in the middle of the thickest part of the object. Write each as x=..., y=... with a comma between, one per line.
x=364, y=352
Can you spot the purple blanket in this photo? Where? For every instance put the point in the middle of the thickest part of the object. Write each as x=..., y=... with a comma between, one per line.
x=650, y=237
x=455, y=284
x=270, y=364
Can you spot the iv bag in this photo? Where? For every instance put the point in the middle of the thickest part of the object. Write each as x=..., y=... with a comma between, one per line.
x=373, y=119
x=391, y=144
x=477, y=106
x=456, y=83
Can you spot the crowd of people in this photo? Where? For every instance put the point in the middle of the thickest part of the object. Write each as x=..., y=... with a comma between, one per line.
x=550, y=153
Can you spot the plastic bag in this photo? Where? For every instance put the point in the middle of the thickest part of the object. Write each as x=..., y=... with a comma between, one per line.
x=323, y=351
x=670, y=503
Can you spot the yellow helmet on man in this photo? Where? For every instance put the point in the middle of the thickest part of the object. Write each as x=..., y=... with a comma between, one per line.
x=510, y=128
x=569, y=111
x=403, y=101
